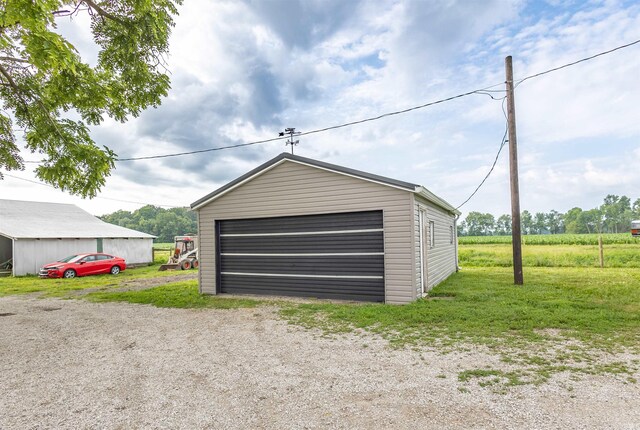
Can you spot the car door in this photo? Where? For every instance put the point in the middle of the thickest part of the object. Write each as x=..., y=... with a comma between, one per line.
x=103, y=263
x=87, y=265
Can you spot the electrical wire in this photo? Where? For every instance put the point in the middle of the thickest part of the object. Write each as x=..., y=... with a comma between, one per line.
x=573, y=63
x=97, y=197
x=320, y=130
x=495, y=161
x=518, y=82
x=484, y=91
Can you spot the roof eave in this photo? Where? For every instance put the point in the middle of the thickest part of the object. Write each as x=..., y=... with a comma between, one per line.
x=422, y=191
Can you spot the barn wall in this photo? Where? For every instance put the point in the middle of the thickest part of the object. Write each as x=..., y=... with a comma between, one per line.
x=5, y=249
x=441, y=259
x=296, y=189
x=134, y=250
x=31, y=254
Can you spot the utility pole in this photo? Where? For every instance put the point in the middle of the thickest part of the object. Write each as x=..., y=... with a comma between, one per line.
x=513, y=167
x=291, y=132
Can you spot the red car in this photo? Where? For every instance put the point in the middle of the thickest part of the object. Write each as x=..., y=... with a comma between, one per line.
x=82, y=265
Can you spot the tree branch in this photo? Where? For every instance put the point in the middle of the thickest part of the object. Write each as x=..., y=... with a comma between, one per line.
x=18, y=60
x=103, y=13
x=10, y=80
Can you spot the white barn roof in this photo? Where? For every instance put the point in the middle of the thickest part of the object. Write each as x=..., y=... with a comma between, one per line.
x=39, y=220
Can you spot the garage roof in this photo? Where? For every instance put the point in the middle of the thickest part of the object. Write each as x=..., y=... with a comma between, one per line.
x=415, y=188
x=40, y=220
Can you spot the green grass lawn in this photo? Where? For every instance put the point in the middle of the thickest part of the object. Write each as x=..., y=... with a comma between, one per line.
x=488, y=255
x=60, y=287
x=481, y=305
x=562, y=320
x=173, y=295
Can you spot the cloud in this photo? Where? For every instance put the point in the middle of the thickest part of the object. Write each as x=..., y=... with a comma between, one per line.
x=303, y=24
x=242, y=71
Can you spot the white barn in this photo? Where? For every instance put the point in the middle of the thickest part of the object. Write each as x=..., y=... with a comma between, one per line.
x=37, y=233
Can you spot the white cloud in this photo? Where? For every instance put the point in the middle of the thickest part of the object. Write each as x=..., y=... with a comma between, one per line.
x=241, y=73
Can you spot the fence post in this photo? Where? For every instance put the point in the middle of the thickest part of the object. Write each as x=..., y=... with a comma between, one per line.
x=601, y=252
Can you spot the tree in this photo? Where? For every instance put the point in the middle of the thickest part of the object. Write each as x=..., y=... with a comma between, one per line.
x=636, y=209
x=617, y=213
x=479, y=224
x=555, y=222
x=163, y=223
x=45, y=86
x=539, y=223
x=574, y=221
x=594, y=220
x=527, y=222
x=503, y=225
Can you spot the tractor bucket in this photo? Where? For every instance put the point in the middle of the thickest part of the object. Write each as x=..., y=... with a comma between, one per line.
x=170, y=266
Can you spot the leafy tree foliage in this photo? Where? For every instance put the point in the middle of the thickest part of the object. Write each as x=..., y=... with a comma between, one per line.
x=164, y=223
x=49, y=93
x=613, y=216
x=478, y=224
x=503, y=225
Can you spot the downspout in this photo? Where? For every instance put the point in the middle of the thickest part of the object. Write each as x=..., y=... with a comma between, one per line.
x=455, y=232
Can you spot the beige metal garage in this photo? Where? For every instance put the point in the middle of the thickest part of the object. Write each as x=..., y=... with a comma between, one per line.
x=301, y=227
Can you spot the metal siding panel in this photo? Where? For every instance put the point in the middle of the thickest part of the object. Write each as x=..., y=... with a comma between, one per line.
x=306, y=223
x=352, y=242
x=441, y=258
x=343, y=289
x=370, y=265
x=134, y=251
x=316, y=191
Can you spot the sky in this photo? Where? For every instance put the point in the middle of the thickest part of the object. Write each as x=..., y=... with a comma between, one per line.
x=243, y=71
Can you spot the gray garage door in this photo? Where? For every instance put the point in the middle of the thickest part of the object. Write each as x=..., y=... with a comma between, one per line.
x=337, y=256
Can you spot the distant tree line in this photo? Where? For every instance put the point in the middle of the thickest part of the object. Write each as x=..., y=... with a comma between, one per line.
x=613, y=216
x=164, y=223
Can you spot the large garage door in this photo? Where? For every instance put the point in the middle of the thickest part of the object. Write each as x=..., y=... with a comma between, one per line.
x=338, y=256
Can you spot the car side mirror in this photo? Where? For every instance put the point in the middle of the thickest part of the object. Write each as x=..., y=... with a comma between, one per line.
x=81, y=262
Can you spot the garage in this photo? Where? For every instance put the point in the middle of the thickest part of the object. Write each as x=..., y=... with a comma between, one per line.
x=295, y=226
x=333, y=256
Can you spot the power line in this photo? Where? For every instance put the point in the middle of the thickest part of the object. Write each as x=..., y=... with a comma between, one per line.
x=573, y=63
x=504, y=140
x=151, y=157
x=495, y=161
x=320, y=130
x=485, y=91
x=531, y=77
x=97, y=197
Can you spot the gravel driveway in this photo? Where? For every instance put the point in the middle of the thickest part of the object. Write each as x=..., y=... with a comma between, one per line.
x=74, y=364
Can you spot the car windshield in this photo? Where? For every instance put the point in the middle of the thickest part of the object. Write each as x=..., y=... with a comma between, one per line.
x=71, y=259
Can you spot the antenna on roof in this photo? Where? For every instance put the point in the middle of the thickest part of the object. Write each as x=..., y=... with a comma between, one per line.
x=291, y=132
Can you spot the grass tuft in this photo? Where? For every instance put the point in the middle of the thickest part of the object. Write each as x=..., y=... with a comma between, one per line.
x=174, y=295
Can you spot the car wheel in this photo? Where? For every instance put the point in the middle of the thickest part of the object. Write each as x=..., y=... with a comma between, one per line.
x=185, y=265
x=69, y=273
x=115, y=270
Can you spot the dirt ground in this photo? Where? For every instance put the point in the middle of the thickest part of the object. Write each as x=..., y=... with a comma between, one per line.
x=74, y=364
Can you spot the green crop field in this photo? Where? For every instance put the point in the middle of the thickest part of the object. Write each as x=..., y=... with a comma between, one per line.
x=554, y=239
x=500, y=255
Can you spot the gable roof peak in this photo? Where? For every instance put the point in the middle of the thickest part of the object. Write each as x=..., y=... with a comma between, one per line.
x=287, y=157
